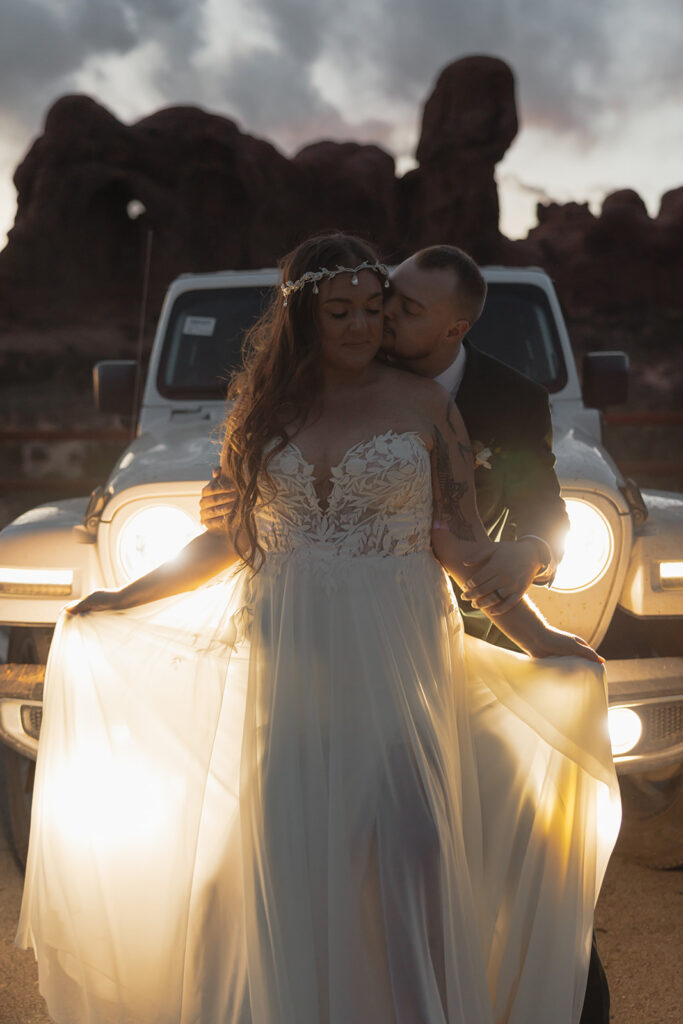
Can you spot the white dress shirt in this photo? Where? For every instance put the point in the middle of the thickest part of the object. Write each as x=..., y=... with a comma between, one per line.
x=452, y=376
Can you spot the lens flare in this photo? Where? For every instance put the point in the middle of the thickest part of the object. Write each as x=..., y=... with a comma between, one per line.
x=152, y=536
x=588, y=550
x=671, y=574
x=625, y=729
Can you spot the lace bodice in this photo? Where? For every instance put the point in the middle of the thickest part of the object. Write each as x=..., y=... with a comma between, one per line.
x=380, y=502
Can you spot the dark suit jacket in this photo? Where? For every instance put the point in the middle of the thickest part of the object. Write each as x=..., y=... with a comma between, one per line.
x=508, y=413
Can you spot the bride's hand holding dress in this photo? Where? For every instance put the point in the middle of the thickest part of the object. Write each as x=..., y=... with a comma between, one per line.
x=97, y=601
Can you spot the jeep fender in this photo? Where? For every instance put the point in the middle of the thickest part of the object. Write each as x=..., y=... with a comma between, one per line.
x=44, y=539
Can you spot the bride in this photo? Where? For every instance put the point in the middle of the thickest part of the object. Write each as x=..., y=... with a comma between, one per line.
x=295, y=793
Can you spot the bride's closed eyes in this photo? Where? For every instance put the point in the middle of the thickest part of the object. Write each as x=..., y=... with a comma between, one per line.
x=340, y=316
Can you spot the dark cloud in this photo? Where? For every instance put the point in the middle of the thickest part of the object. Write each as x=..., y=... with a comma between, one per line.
x=573, y=61
x=44, y=44
x=579, y=65
x=278, y=98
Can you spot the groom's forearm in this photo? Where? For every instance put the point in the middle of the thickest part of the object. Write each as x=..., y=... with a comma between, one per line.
x=546, y=562
x=522, y=623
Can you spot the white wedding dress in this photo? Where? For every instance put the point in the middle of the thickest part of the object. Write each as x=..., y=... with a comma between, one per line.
x=305, y=797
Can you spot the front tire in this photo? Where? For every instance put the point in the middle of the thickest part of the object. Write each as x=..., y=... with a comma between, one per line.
x=27, y=646
x=19, y=772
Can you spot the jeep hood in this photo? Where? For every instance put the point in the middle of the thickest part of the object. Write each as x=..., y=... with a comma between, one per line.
x=581, y=457
x=187, y=452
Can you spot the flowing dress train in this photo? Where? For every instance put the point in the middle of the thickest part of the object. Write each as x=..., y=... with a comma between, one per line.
x=306, y=797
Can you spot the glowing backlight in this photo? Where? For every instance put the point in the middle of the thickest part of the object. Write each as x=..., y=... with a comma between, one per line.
x=609, y=814
x=625, y=729
x=671, y=574
x=37, y=577
x=152, y=536
x=588, y=550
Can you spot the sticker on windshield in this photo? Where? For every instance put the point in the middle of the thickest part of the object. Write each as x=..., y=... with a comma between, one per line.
x=201, y=326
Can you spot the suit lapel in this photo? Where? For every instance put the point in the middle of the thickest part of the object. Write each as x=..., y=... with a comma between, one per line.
x=475, y=399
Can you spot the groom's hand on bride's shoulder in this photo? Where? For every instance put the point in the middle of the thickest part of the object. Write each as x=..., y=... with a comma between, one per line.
x=217, y=501
x=498, y=582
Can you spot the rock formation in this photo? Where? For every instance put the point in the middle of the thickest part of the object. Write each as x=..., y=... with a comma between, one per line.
x=215, y=197
x=469, y=122
x=614, y=263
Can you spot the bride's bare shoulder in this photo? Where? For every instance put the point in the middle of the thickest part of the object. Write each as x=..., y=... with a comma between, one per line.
x=433, y=403
x=430, y=404
x=422, y=393
x=418, y=388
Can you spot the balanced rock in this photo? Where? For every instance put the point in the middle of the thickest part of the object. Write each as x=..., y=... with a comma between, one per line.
x=469, y=122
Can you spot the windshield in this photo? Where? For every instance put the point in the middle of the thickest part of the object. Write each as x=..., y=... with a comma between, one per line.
x=203, y=342
x=518, y=327
x=206, y=328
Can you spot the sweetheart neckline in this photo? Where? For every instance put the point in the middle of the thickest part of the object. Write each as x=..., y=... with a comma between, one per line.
x=338, y=465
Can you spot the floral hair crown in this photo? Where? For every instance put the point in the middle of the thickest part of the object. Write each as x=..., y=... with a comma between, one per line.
x=287, y=287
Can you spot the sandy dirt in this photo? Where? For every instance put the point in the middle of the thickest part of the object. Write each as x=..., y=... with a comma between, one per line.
x=638, y=925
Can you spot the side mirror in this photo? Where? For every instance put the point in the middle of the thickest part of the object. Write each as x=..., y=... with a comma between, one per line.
x=605, y=379
x=113, y=383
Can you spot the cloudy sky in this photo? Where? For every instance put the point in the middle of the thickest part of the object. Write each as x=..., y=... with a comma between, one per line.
x=599, y=82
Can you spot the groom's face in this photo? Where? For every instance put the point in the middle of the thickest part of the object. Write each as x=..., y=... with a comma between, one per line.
x=422, y=325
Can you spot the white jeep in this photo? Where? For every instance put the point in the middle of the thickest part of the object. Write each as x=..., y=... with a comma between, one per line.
x=620, y=584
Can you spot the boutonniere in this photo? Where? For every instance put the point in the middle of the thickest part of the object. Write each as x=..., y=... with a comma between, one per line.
x=481, y=455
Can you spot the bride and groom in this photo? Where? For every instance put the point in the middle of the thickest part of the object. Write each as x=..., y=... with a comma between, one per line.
x=357, y=813
x=435, y=297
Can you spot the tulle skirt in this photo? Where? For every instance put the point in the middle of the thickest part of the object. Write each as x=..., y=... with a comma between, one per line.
x=308, y=798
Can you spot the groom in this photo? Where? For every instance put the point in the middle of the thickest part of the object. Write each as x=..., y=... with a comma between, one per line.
x=435, y=297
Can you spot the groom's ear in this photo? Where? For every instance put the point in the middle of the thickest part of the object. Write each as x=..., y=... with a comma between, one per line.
x=458, y=330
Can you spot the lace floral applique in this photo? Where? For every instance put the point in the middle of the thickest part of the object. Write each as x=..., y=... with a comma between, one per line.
x=380, y=502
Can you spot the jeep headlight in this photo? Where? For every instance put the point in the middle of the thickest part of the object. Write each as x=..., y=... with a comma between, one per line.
x=152, y=536
x=589, y=547
x=625, y=729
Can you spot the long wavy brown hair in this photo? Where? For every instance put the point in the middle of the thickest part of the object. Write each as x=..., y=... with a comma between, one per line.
x=281, y=380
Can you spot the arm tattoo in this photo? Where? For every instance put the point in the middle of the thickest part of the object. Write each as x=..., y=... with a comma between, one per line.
x=449, y=421
x=450, y=491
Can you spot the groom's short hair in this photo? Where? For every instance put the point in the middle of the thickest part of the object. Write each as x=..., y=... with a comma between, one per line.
x=470, y=284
